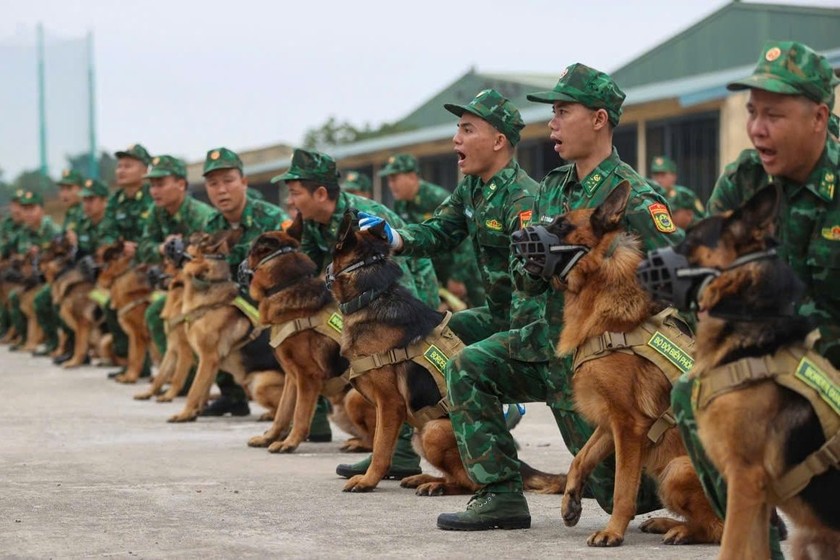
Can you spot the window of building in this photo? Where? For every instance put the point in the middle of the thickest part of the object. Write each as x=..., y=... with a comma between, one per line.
x=625, y=140
x=692, y=142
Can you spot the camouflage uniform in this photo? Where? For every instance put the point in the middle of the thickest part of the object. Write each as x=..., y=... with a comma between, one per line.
x=46, y=310
x=808, y=228
x=480, y=380
x=9, y=230
x=26, y=239
x=159, y=224
x=358, y=184
x=257, y=217
x=662, y=164
x=124, y=218
x=91, y=235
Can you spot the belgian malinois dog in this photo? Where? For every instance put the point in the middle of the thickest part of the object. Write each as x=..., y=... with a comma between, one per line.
x=130, y=292
x=382, y=318
x=759, y=431
x=622, y=393
x=219, y=331
x=305, y=337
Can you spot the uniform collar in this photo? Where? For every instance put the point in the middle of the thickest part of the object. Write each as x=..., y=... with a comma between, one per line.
x=823, y=180
x=137, y=196
x=342, y=203
x=598, y=176
x=499, y=181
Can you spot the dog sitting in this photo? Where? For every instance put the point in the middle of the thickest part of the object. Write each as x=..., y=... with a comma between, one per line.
x=306, y=330
x=220, y=330
x=621, y=377
x=130, y=291
x=766, y=405
x=398, y=347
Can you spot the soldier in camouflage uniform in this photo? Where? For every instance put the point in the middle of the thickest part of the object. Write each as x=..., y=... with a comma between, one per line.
x=9, y=228
x=791, y=96
x=175, y=214
x=357, y=184
x=519, y=365
x=91, y=232
x=684, y=209
x=312, y=180
x=415, y=200
x=127, y=208
x=46, y=311
x=227, y=188
x=664, y=173
x=36, y=235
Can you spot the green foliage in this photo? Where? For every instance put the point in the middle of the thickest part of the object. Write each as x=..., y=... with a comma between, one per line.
x=335, y=133
x=106, y=166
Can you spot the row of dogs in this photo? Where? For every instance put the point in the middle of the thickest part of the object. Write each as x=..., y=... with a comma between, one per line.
x=363, y=341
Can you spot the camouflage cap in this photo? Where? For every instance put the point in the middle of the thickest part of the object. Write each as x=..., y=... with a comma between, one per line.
x=18, y=194
x=163, y=166
x=221, y=158
x=355, y=181
x=579, y=83
x=135, y=151
x=683, y=200
x=662, y=164
x=30, y=198
x=400, y=163
x=312, y=166
x=496, y=109
x=95, y=187
x=71, y=177
x=792, y=68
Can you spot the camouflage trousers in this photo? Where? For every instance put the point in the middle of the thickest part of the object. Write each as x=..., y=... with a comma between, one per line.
x=47, y=314
x=480, y=379
x=156, y=325
x=713, y=484
x=5, y=321
x=475, y=324
x=16, y=317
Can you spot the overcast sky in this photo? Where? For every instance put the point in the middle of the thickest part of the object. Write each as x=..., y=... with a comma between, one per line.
x=185, y=76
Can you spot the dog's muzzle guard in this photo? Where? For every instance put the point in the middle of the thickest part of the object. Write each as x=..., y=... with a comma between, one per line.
x=543, y=255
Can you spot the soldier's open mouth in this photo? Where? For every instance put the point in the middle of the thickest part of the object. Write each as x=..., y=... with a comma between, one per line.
x=461, y=155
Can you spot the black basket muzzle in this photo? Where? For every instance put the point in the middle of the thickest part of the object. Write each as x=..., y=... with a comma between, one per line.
x=543, y=255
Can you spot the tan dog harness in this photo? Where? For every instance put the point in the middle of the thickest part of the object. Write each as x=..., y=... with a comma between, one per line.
x=432, y=353
x=659, y=341
x=328, y=322
x=800, y=369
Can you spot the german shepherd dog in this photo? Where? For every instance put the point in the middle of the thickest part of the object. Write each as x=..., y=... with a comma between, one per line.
x=221, y=334
x=759, y=430
x=286, y=288
x=622, y=394
x=390, y=318
x=70, y=288
x=178, y=359
x=31, y=284
x=130, y=292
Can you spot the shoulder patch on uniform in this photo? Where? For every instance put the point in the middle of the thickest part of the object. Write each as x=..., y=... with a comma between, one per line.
x=831, y=233
x=494, y=224
x=662, y=218
x=525, y=218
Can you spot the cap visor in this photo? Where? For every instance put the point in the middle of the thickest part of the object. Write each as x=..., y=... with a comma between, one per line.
x=550, y=97
x=386, y=171
x=213, y=168
x=767, y=82
x=285, y=177
x=159, y=173
x=456, y=110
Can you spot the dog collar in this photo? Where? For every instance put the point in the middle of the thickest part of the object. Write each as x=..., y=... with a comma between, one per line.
x=331, y=275
x=362, y=301
x=277, y=288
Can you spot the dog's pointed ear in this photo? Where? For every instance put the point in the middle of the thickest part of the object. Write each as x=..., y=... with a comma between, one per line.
x=295, y=230
x=607, y=217
x=345, y=230
x=379, y=230
x=758, y=214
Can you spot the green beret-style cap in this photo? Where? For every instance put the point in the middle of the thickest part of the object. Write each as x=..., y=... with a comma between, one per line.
x=579, y=83
x=95, y=187
x=496, y=109
x=662, y=164
x=71, y=177
x=30, y=198
x=135, y=151
x=358, y=182
x=400, y=163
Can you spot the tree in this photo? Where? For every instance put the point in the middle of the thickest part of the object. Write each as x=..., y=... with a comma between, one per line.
x=334, y=133
x=106, y=163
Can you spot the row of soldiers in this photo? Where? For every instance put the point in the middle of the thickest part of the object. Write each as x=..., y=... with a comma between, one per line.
x=510, y=336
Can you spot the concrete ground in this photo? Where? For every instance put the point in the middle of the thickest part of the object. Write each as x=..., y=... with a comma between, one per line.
x=88, y=472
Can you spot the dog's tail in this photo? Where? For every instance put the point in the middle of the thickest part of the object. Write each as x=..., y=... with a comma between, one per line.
x=541, y=482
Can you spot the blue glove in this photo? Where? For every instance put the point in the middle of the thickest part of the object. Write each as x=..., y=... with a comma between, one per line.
x=367, y=221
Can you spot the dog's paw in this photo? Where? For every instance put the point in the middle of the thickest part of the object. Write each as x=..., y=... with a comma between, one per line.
x=431, y=489
x=282, y=447
x=354, y=445
x=166, y=397
x=571, y=509
x=658, y=525
x=126, y=380
x=266, y=417
x=358, y=484
x=259, y=441
x=605, y=538
x=183, y=417
x=144, y=396
x=679, y=534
